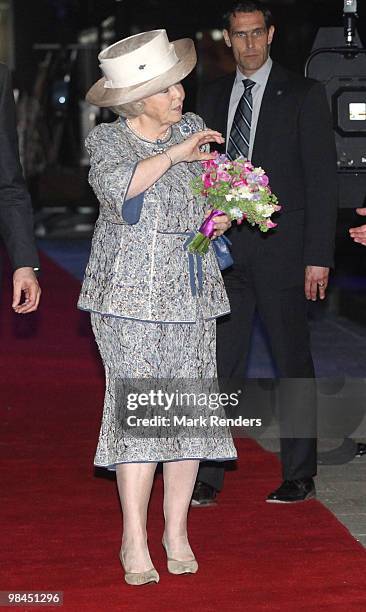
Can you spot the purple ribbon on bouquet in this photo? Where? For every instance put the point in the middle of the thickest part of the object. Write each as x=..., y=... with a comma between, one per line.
x=207, y=228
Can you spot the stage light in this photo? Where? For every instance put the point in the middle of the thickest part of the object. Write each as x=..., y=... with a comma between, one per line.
x=339, y=61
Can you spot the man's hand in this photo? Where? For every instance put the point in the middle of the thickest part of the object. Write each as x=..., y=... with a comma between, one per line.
x=24, y=280
x=358, y=234
x=316, y=279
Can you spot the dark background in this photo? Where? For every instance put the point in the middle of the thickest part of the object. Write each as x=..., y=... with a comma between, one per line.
x=60, y=21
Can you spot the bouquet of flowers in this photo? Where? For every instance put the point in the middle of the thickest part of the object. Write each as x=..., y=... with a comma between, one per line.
x=237, y=189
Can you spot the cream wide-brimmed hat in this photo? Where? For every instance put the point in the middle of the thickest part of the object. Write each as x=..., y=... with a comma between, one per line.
x=141, y=66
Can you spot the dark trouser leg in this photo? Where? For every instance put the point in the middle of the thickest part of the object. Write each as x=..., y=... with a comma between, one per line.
x=212, y=473
x=233, y=340
x=284, y=314
x=298, y=456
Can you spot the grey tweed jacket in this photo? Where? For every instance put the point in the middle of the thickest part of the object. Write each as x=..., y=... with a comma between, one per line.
x=139, y=267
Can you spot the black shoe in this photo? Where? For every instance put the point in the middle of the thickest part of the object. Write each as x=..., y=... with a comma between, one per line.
x=361, y=449
x=292, y=491
x=203, y=495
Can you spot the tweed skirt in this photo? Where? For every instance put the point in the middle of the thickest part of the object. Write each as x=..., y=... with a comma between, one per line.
x=137, y=350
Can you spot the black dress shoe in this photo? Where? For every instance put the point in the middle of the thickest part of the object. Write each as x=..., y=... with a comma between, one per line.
x=361, y=449
x=203, y=495
x=292, y=491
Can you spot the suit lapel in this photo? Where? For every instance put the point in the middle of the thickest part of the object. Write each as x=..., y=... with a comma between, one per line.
x=219, y=107
x=277, y=85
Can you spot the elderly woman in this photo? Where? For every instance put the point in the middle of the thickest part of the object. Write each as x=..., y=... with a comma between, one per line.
x=153, y=304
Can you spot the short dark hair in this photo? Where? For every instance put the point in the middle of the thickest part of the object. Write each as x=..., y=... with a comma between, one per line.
x=248, y=6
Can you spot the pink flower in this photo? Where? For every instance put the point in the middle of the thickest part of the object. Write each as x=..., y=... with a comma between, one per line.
x=270, y=224
x=244, y=178
x=223, y=176
x=263, y=180
x=207, y=181
x=277, y=207
x=240, y=221
x=239, y=182
x=209, y=164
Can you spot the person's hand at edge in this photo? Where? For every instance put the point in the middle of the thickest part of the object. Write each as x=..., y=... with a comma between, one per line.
x=25, y=282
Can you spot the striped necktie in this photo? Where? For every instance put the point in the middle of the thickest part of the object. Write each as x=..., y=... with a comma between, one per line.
x=240, y=131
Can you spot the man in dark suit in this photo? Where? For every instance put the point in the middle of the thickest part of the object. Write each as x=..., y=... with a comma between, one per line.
x=281, y=121
x=16, y=219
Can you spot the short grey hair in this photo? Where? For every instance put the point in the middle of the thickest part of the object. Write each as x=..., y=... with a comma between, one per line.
x=131, y=109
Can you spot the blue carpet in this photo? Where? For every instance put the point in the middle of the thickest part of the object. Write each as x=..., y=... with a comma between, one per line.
x=71, y=255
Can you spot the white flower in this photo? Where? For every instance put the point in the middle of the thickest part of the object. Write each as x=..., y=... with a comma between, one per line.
x=244, y=192
x=236, y=213
x=265, y=210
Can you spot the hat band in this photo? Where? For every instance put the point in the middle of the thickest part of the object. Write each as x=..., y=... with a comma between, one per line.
x=129, y=75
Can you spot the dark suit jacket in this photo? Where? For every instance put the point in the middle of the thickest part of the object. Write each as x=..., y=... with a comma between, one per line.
x=16, y=218
x=295, y=145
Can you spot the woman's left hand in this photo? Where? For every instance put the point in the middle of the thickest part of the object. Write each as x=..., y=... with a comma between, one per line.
x=221, y=223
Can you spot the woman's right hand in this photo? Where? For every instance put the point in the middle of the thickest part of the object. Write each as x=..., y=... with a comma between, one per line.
x=149, y=170
x=189, y=149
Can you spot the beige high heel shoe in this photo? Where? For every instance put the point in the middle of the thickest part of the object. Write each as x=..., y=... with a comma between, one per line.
x=139, y=578
x=180, y=567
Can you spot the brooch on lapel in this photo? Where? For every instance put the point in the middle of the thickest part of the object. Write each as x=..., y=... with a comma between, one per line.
x=187, y=128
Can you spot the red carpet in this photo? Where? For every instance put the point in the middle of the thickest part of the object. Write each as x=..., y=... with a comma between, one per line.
x=60, y=525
